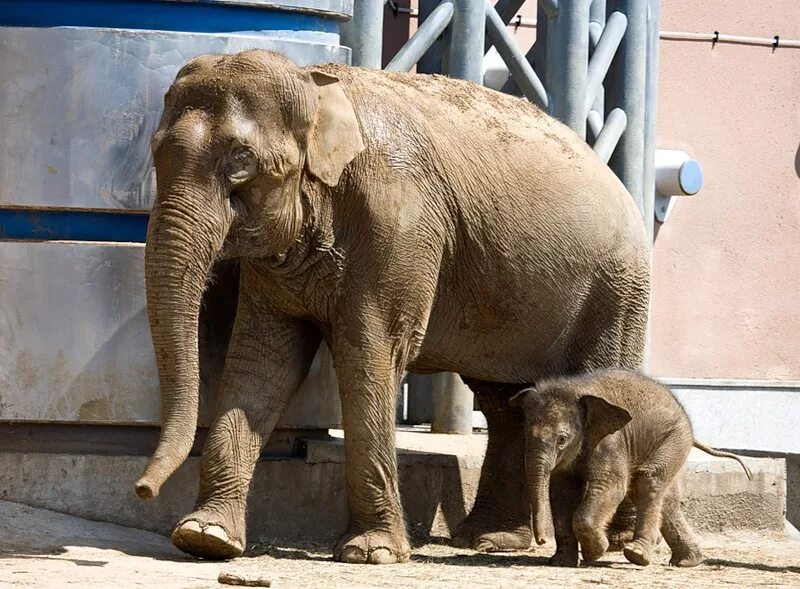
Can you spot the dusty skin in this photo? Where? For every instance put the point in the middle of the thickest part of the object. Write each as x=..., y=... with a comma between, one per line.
x=47, y=550
x=412, y=222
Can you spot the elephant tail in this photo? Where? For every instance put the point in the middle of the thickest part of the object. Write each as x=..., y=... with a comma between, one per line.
x=720, y=454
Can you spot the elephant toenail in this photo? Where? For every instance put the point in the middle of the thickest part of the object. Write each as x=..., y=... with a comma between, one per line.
x=217, y=532
x=353, y=555
x=381, y=556
x=191, y=527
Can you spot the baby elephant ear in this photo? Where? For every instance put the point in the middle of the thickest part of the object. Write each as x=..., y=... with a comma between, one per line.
x=335, y=137
x=602, y=419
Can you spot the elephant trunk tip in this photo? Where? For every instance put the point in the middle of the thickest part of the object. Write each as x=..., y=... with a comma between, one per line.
x=540, y=540
x=145, y=489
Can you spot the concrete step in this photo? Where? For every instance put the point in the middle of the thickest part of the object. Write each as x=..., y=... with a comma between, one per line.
x=304, y=499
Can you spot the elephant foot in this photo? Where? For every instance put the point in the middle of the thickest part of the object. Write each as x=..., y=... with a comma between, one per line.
x=206, y=540
x=469, y=535
x=372, y=548
x=689, y=557
x=620, y=531
x=593, y=548
x=638, y=552
x=564, y=558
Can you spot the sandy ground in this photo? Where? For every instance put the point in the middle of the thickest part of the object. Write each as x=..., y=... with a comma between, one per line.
x=39, y=548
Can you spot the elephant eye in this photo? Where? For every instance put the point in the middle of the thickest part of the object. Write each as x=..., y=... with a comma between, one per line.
x=561, y=440
x=241, y=165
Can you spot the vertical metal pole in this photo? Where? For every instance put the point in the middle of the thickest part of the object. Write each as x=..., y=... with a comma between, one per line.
x=540, y=47
x=431, y=62
x=567, y=60
x=628, y=92
x=651, y=105
x=467, y=34
x=452, y=400
x=364, y=34
x=597, y=20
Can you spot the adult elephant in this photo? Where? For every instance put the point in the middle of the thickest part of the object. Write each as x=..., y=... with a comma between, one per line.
x=413, y=223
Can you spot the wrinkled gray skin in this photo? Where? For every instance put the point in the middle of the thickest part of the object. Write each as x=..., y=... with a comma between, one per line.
x=590, y=442
x=413, y=223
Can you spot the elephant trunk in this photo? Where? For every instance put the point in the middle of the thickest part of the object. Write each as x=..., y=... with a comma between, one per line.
x=181, y=247
x=538, y=475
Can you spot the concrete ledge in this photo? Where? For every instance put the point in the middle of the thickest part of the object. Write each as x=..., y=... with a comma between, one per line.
x=304, y=499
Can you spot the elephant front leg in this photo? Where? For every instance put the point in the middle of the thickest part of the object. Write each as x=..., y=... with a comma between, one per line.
x=268, y=359
x=500, y=518
x=376, y=533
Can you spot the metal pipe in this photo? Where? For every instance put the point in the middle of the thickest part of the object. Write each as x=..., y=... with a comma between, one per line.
x=567, y=58
x=594, y=124
x=452, y=404
x=538, y=52
x=466, y=40
x=650, y=105
x=628, y=92
x=422, y=39
x=597, y=22
x=603, y=55
x=364, y=34
x=608, y=137
x=523, y=73
x=717, y=37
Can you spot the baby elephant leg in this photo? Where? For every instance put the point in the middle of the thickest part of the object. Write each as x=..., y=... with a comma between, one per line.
x=676, y=531
x=648, y=496
x=600, y=501
x=565, y=495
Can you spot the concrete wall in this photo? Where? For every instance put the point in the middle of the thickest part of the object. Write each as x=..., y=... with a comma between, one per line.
x=727, y=264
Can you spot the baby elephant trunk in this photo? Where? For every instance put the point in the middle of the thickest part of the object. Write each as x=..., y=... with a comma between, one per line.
x=538, y=475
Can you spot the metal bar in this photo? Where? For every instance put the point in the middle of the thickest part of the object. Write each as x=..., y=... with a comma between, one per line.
x=364, y=34
x=651, y=103
x=608, y=137
x=567, y=58
x=466, y=40
x=463, y=58
x=422, y=39
x=603, y=55
x=506, y=9
x=594, y=124
x=507, y=47
x=452, y=404
x=597, y=22
x=628, y=92
x=431, y=61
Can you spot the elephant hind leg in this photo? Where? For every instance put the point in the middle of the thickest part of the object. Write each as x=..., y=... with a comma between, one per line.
x=676, y=531
x=500, y=518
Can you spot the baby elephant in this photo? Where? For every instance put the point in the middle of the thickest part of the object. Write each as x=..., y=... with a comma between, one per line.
x=593, y=440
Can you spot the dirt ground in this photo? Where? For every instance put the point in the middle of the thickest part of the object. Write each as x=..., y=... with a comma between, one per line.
x=39, y=548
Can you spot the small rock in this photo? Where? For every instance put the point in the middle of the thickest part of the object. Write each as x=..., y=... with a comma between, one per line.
x=242, y=581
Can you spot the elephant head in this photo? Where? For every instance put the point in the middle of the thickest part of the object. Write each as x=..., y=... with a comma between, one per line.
x=241, y=138
x=561, y=425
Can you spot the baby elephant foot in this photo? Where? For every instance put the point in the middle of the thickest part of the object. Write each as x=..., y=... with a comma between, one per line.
x=201, y=538
x=593, y=547
x=564, y=558
x=688, y=557
x=468, y=535
x=372, y=548
x=639, y=552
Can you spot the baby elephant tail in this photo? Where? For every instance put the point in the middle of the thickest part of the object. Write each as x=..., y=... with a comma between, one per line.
x=710, y=450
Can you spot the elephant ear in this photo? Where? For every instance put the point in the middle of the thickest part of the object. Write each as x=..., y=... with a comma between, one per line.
x=601, y=419
x=335, y=137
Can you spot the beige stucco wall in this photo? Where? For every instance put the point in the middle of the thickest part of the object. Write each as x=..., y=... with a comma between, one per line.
x=726, y=293
x=726, y=296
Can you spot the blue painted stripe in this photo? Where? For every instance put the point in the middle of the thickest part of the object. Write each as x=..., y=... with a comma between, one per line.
x=73, y=225
x=157, y=15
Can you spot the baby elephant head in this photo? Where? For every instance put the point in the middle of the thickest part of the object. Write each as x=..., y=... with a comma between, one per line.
x=243, y=141
x=561, y=425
